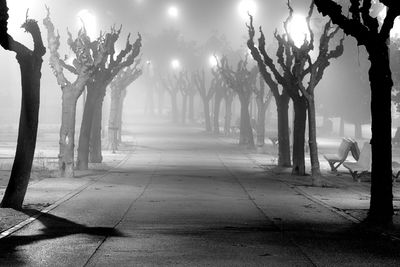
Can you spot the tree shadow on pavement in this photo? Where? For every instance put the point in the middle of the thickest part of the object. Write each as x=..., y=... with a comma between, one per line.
x=53, y=227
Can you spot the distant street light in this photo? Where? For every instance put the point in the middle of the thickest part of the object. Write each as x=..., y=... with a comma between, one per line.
x=175, y=64
x=212, y=60
x=88, y=20
x=247, y=7
x=173, y=12
x=298, y=29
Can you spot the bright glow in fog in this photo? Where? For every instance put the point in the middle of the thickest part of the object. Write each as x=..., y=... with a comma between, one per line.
x=212, y=60
x=173, y=12
x=298, y=29
x=245, y=7
x=88, y=20
x=175, y=64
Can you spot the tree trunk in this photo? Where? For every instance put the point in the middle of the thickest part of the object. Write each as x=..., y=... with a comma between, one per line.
x=191, y=108
x=184, y=108
x=95, y=134
x=67, y=133
x=246, y=132
x=217, y=108
x=312, y=141
x=299, y=127
x=381, y=206
x=261, y=110
x=282, y=104
x=174, y=108
x=358, y=130
x=228, y=114
x=86, y=126
x=160, y=102
x=120, y=112
x=113, y=120
x=207, y=117
x=30, y=67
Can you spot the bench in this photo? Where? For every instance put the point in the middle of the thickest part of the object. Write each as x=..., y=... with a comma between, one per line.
x=274, y=140
x=395, y=170
x=335, y=160
x=363, y=164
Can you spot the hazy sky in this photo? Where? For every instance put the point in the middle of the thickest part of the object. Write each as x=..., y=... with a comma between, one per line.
x=196, y=19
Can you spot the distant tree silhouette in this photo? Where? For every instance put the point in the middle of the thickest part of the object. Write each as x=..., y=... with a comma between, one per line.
x=30, y=62
x=184, y=84
x=172, y=87
x=263, y=99
x=375, y=37
x=83, y=66
x=199, y=80
x=241, y=81
x=118, y=87
x=221, y=90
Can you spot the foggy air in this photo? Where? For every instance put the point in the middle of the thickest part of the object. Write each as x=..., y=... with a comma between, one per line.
x=199, y=133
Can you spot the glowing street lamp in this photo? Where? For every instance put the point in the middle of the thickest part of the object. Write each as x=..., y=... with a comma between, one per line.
x=298, y=29
x=88, y=20
x=175, y=64
x=173, y=12
x=212, y=60
x=245, y=8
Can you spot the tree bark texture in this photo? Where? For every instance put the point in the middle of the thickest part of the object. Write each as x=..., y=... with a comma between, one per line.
x=93, y=96
x=299, y=127
x=30, y=63
x=113, y=122
x=381, y=205
x=228, y=114
x=217, y=108
x=67, y=133
x=282, y=104
x=184, y=108
x=312, y=141
x=95, y=155
x=246, y=132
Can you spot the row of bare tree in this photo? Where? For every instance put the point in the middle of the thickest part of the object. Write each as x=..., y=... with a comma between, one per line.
x=298, y=74
x=95, y=65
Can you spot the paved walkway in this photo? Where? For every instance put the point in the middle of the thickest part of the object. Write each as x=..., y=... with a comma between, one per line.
x=185, y=198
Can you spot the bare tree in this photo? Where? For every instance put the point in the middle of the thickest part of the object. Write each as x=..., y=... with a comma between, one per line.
x=299, y=69
x=83, y=66
x=184, y=85
x=281, y=97
x=241, y=82
x=206, y=95
x=221, y=90
x=369, y=33
x=118, y=87
x=30, y=62
x=90, y=134
x=172, y=88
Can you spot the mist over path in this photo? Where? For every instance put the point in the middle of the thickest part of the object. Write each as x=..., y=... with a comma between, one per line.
x=186, y=198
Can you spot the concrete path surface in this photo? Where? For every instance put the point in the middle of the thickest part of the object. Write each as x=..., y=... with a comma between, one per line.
x=185, y=198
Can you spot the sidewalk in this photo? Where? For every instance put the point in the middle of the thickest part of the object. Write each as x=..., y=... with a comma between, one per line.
x=45, y=194
x=342, y=194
